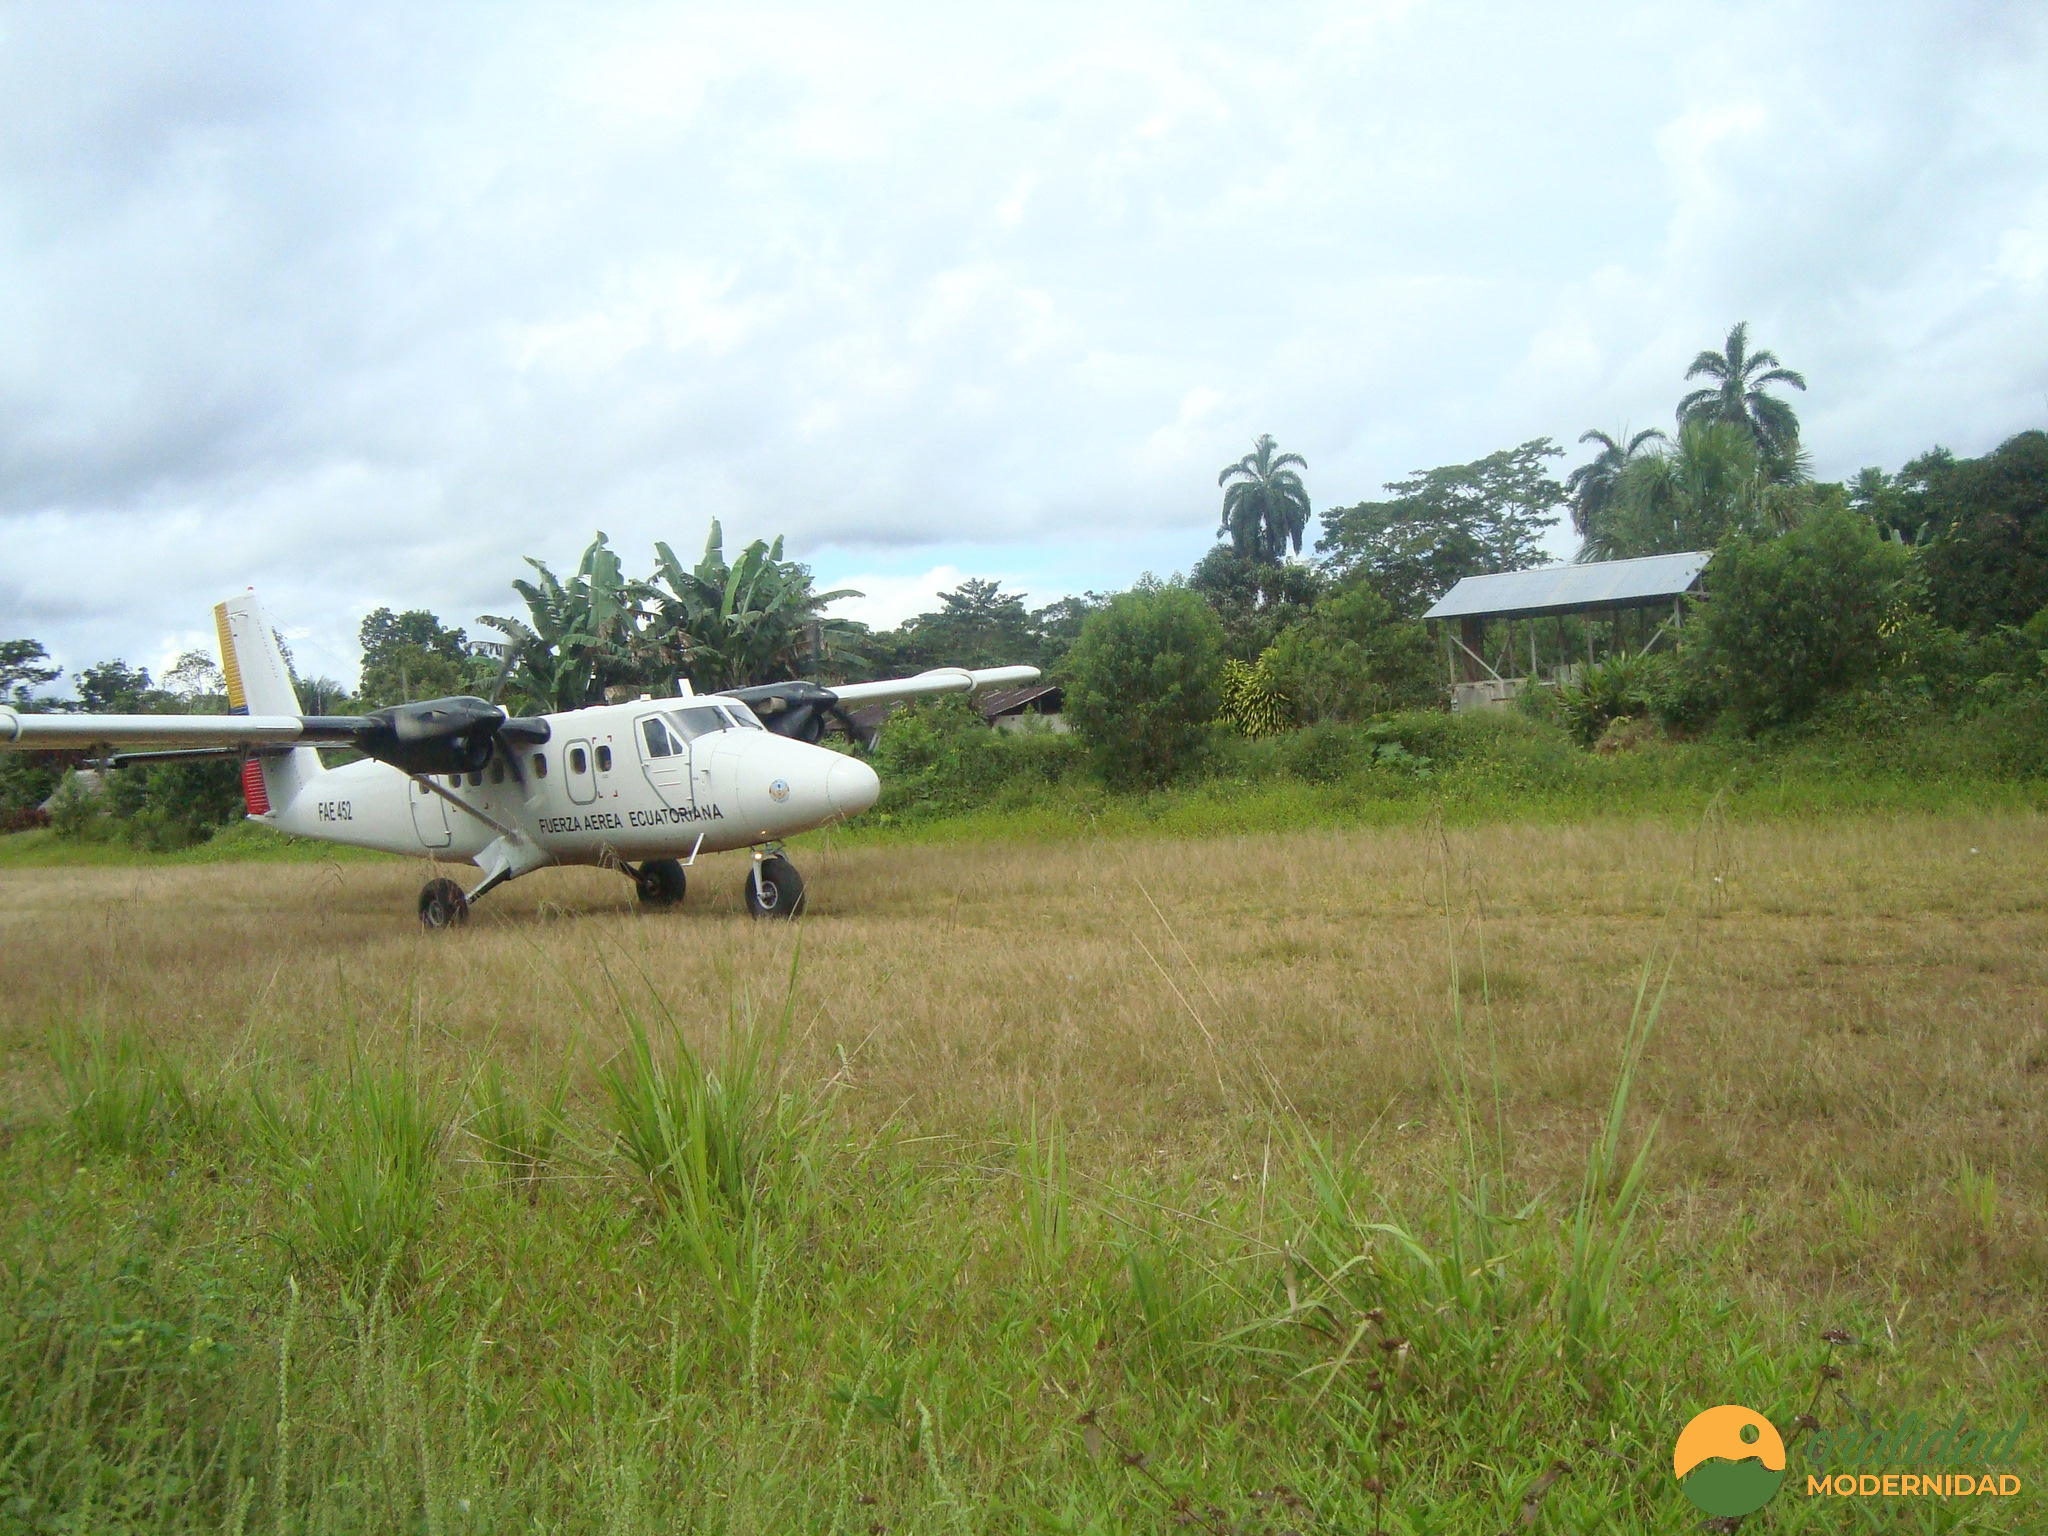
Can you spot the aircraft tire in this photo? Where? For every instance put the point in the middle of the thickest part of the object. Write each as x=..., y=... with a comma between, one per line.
x=442, y=905
x=779, y=891
x=660, y=882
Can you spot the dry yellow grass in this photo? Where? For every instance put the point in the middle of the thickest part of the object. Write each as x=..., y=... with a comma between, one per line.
x=1854, y=1010
x=1849, y=1071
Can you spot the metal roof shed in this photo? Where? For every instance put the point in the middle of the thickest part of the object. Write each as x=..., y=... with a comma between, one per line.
x=1649, y=582
x=1611, y=587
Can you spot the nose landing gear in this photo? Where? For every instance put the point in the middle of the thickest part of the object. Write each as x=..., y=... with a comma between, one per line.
x=774, y=888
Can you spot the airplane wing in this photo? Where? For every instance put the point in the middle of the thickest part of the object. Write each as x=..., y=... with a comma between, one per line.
x=801, y=710
x=450, y=735
x=937, y=680
x=31, y=733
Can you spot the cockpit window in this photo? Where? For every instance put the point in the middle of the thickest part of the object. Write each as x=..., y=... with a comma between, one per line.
x=655, y=735
x=744, y=715
x=697, y=720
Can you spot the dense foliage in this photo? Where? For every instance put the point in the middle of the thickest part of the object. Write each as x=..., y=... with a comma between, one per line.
x=1351, y=659
x=1145, y=679
x=407, y=656
x=1255, y=599
x=1789, y=620
x=1987, y=562
x=1448, y=523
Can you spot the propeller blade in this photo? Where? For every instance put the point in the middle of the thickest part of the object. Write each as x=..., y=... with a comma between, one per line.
x=505, y=671
x=861, y=745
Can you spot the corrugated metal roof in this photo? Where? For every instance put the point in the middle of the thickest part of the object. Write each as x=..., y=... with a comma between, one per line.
x=1001, y=701
x=1572, y=588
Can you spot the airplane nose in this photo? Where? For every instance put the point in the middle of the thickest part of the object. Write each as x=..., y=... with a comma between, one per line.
x=852, y=786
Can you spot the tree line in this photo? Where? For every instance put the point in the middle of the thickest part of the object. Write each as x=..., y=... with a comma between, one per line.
x=1814, y=588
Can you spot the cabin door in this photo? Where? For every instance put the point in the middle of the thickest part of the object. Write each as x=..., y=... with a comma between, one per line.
x=576, y=766
x=429, y=815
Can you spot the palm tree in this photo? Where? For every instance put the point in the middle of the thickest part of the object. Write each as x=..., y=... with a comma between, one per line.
x=1691, y=494
x=1591, y=486
x=1738, y=396
x=1265, y=505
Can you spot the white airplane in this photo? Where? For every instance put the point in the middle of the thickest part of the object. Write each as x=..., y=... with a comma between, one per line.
x=641, y=787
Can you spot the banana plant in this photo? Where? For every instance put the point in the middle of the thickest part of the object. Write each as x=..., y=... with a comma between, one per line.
x=731, y=625
x=582, y=635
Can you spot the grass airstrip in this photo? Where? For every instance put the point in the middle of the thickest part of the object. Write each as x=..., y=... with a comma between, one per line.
x=1406, y=1178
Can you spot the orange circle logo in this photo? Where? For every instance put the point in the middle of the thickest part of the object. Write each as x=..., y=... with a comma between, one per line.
x=1729, y=1460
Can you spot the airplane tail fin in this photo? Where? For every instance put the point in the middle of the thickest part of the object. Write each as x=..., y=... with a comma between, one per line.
x=260, y=683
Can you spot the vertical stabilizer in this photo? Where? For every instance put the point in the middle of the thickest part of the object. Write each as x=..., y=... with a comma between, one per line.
x=259, y=683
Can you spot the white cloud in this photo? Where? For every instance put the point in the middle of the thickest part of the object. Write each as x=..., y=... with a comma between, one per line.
x=886, y=601
x=361, y=304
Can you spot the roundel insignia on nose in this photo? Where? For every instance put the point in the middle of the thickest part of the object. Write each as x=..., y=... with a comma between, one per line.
x=779, y=791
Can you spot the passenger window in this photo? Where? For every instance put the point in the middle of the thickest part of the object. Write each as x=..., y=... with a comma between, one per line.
x=476, y=780
x=655, y=734
x=700, y=720
x=604, y=759
x=577, y=761
x=540, y=765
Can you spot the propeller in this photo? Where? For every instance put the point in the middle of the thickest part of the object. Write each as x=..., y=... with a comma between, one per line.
x=513, y=642
x=798, y=710
x=452, y=735
x=505, y=670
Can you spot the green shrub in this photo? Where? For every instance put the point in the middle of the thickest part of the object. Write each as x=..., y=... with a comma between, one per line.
x=1791, y=619
x=1351, y=659
x=166, y=807
x=1622, y=687
x=1146, y=676
x=78, y=810
x=1323, y=754
x=940, y=757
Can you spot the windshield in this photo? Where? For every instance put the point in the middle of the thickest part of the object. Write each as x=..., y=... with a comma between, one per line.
x=698, y=720
x=744, y=715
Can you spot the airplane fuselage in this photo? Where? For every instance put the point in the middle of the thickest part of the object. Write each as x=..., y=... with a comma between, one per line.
x=616, y=783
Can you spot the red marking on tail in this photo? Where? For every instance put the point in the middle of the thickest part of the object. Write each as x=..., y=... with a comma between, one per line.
x=254, y=795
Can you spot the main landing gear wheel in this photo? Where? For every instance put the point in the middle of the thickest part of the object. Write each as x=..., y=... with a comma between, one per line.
x=442, y=905
x=660, y=882
x=774, y=888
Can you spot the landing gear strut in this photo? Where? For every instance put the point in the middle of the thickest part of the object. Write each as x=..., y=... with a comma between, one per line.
x=442, y=905
x=660, y=882
x=774, y=888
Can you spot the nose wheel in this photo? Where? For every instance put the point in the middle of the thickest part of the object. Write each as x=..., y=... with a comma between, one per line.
x=774, y=888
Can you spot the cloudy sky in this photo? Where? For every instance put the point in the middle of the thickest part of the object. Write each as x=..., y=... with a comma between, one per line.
x=361, y=303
